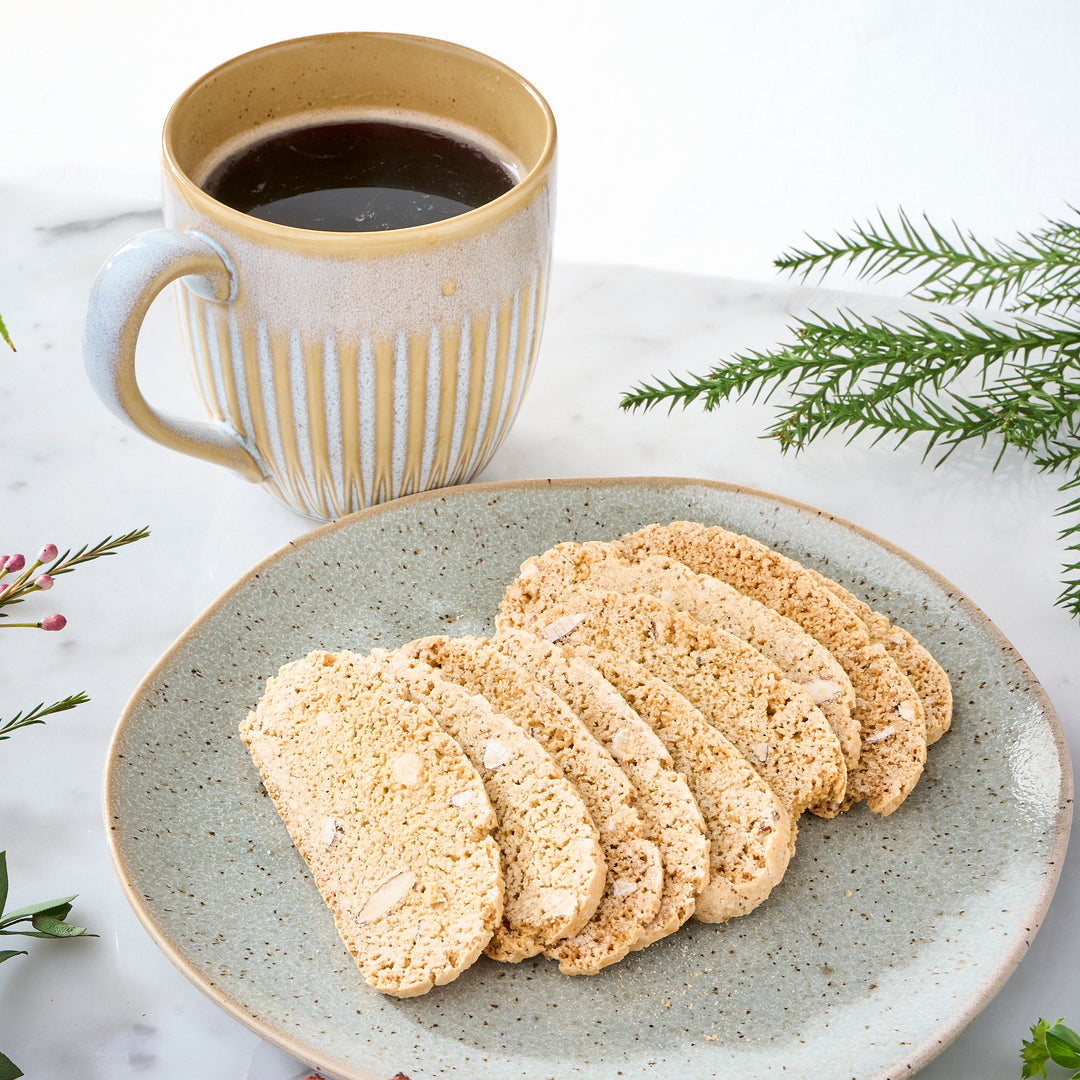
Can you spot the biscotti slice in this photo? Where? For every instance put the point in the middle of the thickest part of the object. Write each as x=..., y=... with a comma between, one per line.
x=669, y=814
x=751, y=835
x=926, y=675
x=553, y=865
x=389, y=815
x=800, y=657
x=891, y=716
x=771, y=721
x=634, y=873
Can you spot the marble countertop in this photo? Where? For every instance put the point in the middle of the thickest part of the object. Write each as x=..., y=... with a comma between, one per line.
x=113, y=1006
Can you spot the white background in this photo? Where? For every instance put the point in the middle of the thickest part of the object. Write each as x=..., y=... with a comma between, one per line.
x=697, y=135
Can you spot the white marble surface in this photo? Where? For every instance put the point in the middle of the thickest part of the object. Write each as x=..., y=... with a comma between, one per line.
x=113, y=1007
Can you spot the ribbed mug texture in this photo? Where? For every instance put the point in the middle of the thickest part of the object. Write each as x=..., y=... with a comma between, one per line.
x=347, y=397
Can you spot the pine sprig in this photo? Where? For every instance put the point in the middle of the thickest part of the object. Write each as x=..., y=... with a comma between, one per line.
x=942, y=379
x=1039, y=271
x=869, y=374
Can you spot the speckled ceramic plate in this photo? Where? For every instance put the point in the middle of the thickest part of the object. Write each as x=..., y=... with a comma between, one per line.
x=884, y=939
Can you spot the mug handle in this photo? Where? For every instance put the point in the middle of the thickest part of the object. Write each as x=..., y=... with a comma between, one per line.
x=119, y=299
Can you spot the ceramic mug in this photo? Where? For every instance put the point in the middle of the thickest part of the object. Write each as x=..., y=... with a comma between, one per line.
x=340, y=369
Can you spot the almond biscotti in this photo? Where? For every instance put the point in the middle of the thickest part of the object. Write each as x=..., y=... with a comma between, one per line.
x=800, y=657
x=926, y=675
x=751, y=835
x=890, y=714
x=635, y=875
x=772, y=722
x=553, y=865
x=669, y=813
x=389, y=815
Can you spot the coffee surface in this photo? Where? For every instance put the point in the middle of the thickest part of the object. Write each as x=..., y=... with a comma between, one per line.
x=358, y=176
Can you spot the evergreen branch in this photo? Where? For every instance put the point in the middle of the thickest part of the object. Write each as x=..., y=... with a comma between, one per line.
x=1040, y=271
x=1053, y=291
x=1028, y=303
x=872, y=378
x=929, y=353
x=1069, y=598
x=1025, y=421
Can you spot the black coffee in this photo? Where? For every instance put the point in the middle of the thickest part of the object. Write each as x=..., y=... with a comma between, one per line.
x=358, y=176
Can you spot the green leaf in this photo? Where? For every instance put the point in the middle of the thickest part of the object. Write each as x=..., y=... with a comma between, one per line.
x=1063, y=1045
x=3, y=881
x=54, y=927
x=25, y=933
x=47, y=907
x=59, y=912
x=4, y=336
x=7, y=954
x=47, y=920
x=1033, y=1052
x=8, y=1069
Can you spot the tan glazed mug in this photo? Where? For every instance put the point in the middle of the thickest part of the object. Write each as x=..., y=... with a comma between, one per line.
x=340, y=369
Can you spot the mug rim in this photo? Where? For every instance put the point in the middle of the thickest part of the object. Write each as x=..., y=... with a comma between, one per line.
x=466, y=223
